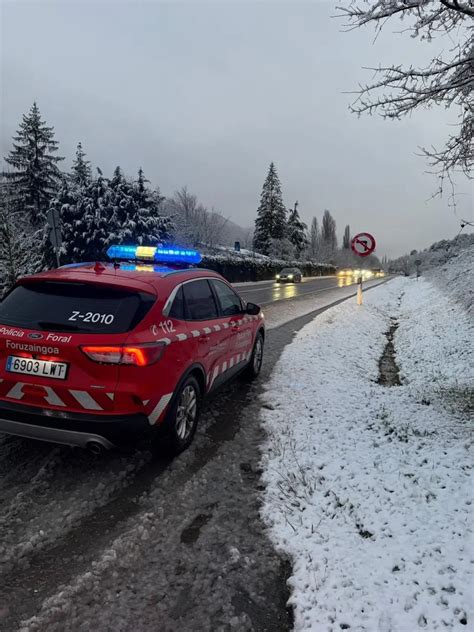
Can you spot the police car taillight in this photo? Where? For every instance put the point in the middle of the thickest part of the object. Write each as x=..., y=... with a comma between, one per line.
x=138, y=355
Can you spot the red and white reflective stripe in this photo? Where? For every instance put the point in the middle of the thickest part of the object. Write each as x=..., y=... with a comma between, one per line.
x=156, y=413
x=214, y=375
x=205, y=331
x=52, y=397
x=16, y=392
x=85, y=400
x=233, y=361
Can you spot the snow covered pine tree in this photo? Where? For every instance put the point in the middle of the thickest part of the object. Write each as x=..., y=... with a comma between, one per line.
x=15, y=244
x=271, y=214
x=102, y=212
x=297, y=231
x=81, y=173
x=35, y=176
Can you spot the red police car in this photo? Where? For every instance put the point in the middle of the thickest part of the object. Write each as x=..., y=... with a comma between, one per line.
x=97, y=354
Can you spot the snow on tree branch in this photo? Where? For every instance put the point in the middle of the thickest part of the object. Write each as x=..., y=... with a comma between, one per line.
x=397, y=91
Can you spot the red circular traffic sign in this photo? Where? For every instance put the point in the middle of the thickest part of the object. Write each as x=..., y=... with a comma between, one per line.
x=363, y=244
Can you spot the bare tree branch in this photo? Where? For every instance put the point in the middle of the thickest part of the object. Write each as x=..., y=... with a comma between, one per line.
x=397, y=91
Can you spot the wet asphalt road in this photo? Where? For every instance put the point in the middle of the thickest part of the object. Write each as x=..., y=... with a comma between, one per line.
x=130, y=542
x=267, y=292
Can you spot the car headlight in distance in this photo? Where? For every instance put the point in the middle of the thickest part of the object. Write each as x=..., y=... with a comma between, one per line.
x=290, y=276
x=277, y=276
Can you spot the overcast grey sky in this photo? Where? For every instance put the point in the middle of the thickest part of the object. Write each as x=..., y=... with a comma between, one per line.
x=206, y=94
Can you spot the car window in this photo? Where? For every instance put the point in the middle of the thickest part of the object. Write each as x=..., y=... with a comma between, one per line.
x=199, y=301
x=287, y=271
x=229, y=301
x=177, y=308
x=81, y=307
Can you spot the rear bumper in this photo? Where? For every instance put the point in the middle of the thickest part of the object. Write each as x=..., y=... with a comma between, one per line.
x=75, y=429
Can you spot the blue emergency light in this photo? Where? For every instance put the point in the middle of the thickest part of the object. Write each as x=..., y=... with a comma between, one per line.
x=160, y=254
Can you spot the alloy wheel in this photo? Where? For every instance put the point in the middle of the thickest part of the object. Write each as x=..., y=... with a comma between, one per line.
x=186, y=412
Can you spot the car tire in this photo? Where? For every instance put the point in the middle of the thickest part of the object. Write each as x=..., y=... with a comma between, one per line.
x=253, y=368
x=178, y=429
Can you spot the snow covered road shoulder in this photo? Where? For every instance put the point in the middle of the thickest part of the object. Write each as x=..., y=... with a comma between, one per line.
x=368, y=486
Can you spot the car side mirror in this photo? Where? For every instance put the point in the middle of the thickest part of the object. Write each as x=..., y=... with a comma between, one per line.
x=252, y=309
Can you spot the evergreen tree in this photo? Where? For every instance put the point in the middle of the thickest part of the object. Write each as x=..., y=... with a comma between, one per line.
x=35, y=175
x=117, y=179
x=81, y=173
x=346, y=240
x=102, y=212
x=314, y=240
x=282, y=249
x=328, y=236
x=297, y=231
x=65, y=202
x=136, y=216
x=15, y=243
x=271, y=214
x=152, y=225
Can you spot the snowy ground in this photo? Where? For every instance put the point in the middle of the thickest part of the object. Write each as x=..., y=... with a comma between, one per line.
x=281, y=312
x=368, y=486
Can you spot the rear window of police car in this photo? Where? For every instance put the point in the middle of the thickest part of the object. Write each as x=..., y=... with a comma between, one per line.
x=75, y=307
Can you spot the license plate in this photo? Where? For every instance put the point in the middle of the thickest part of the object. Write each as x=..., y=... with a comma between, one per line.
x=41, y=368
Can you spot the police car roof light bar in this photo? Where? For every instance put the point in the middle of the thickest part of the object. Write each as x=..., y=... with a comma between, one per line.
x=160, y=254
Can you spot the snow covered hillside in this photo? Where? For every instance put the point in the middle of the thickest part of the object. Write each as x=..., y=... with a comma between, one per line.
x=367, y=462
x=457, y=278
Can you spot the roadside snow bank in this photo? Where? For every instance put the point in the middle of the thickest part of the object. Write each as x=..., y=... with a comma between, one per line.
x=456, y=278
x=368, y=487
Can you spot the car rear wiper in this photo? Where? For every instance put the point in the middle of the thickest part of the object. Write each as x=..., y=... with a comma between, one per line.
x=47, y=325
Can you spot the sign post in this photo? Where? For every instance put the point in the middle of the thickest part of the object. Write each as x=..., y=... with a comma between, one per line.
x=54, y=222
x=363, y=245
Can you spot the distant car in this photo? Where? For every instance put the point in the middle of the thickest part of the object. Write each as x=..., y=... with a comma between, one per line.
x=345, y=272
x=289, y=275
x=98, y=354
